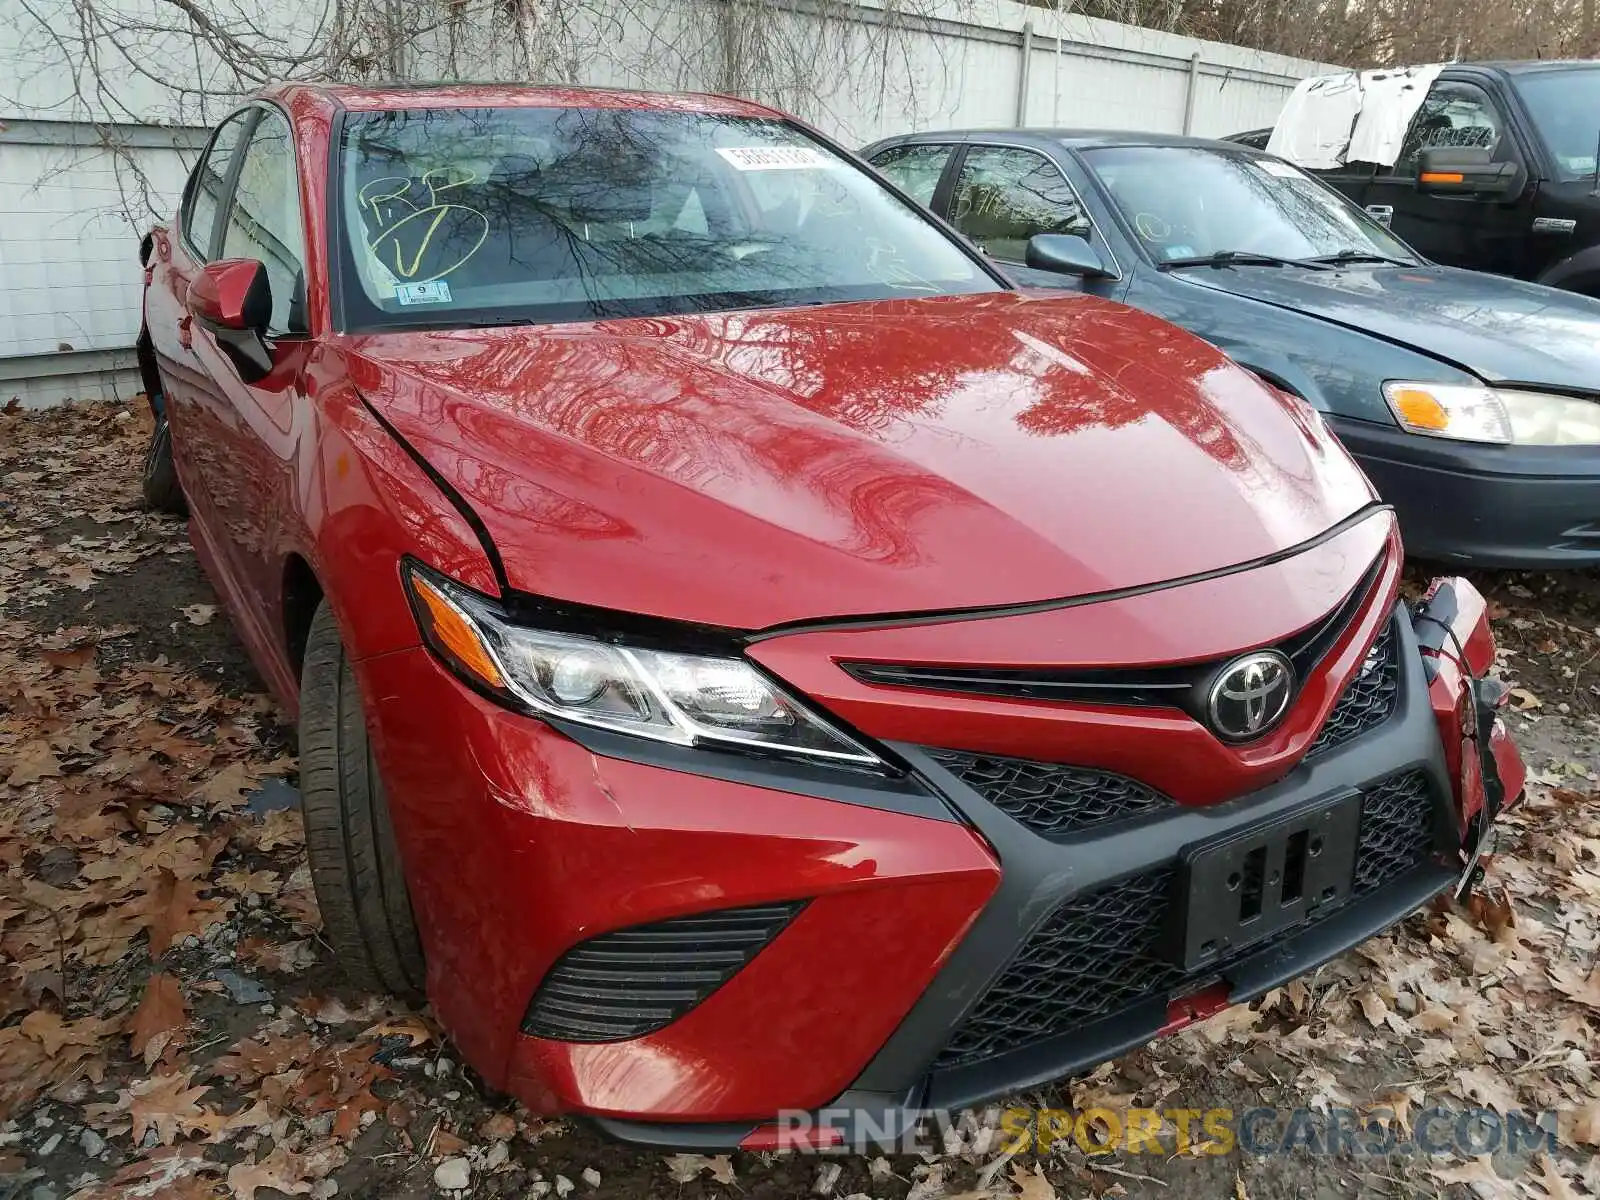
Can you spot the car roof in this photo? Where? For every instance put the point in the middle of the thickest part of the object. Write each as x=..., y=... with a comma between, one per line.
x=378, y=97
x=1086, y=139
x=1528, y=65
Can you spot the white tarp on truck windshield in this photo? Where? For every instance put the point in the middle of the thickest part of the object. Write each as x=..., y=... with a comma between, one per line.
x=1330, y=120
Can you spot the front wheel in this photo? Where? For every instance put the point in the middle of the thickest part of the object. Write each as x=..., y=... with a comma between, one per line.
x=162, y=491
x=355, y=864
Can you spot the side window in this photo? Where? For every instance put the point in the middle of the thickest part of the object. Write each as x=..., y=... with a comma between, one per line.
x=1454, y=114
x=203, y=195
x=1006, y=195
x=264, y=219
x=915, y=170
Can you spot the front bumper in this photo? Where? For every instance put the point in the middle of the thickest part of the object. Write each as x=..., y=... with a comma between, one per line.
x=1491, y=506
x=894, y=988
x=913, y=1071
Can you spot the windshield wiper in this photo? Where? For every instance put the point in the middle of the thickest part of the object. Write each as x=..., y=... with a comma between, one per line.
x=1358, y=256
x=1238, y=258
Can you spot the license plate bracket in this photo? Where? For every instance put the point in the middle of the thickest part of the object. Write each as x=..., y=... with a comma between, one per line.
x=1238, y=889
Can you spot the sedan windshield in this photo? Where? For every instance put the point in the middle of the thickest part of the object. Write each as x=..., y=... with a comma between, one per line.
x=1565, y=106
x=1191, y=203
x=459, y=217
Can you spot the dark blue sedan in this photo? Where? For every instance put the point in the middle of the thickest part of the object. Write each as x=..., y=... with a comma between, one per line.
x=1472, y=401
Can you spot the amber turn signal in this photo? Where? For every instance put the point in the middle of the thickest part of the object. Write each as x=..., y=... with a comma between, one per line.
x=452, y=635
x=1419, y=409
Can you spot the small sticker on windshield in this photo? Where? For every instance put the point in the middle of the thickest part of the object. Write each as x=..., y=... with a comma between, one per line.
x=774, y=158
x=1181, y=252
x=435, y=291
x=1273, y=167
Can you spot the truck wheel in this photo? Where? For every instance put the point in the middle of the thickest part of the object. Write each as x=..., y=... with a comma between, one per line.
x=162, y=491
x=355, y=865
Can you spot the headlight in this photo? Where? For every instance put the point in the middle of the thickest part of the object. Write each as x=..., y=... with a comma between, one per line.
x=1476, y=413
x=685, y=699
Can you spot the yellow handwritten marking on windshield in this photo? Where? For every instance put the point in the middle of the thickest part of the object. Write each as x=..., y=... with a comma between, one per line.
x=408, y=260
x=428, y=220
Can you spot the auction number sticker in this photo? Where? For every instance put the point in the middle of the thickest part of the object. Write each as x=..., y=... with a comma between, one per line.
x=434, y=291
x=774, y=158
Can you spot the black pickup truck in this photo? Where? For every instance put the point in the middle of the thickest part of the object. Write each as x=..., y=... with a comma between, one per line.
x=1497, y=173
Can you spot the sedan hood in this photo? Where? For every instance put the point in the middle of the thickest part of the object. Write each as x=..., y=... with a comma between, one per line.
x=1502, y=330
x=755, y=468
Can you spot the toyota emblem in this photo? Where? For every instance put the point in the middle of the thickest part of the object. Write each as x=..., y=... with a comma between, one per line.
x=1250, y=695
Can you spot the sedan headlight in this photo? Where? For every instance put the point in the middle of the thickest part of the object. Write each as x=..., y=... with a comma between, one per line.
x=685, y=699
x=1476, y=413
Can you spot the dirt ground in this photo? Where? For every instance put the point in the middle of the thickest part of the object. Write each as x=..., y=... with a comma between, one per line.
x=172, y=1026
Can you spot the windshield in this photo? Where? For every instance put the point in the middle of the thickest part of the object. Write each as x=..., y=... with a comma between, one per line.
x=1185, y=202
x=1565, y=106
x=503, y=215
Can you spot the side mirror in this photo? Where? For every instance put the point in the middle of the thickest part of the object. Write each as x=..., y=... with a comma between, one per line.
x=233, y=299
x=1065, y=254
x=1466, y=171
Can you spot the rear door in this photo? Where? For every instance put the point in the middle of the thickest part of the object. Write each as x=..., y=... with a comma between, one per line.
x=1004, y=194
x=251, y=427
x=915, y=167
x=1460, y=231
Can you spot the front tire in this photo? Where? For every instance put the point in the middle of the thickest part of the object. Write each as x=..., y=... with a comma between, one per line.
x=162, y=491
x=355, y=864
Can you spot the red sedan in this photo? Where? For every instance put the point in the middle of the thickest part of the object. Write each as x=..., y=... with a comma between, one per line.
x=751, y=659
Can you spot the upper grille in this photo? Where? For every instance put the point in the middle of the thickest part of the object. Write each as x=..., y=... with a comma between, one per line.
x=634, y=981
x=1370, y=698
x=1101, y=952
x=1183, y=686
x=1048, y=798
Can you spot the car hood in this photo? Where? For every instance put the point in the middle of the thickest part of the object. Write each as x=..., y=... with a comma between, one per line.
x=755, y=468
x=1502, y=330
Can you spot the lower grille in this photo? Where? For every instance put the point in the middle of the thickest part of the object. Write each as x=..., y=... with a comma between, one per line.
x=1396, y=830
x=1368, y=701
x=634, y=981
x=1100, y=952
x=1048, y=798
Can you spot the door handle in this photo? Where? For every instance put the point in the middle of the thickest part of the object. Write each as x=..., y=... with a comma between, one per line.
x=185, y=332
x=1383, y=214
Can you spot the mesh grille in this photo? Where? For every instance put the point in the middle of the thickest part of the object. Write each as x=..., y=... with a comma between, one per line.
x=1048, y=798
x=634, y=981
x=1396, y=830
x=1368, y=701
x=1100, y=953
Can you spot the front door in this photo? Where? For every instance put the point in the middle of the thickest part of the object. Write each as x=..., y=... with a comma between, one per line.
x=253, y=427
x=178, y=257
x=1003, y=195
x=1481, y=233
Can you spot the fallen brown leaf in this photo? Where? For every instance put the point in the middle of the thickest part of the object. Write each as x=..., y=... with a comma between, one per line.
x=160, y=1015
x=32, y=762
x=280, y=1170
x=172, y=909
x=1031, y=1186
x=167, y=1104
x=1479, y=1176
x=1552, y=1182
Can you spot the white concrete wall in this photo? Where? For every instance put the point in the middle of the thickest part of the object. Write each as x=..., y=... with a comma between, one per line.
x=71, y=215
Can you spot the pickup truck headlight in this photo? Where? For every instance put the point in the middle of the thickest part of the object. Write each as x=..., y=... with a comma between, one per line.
x=686, y=699
x=1504, y=416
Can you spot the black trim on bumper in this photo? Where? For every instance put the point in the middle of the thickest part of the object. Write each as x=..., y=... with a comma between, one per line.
x=1038, y=876
x=1492, y=506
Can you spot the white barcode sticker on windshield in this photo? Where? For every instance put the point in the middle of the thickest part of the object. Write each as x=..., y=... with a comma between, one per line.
x=435, y=291
x=774, y=158
x=1273, y=167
